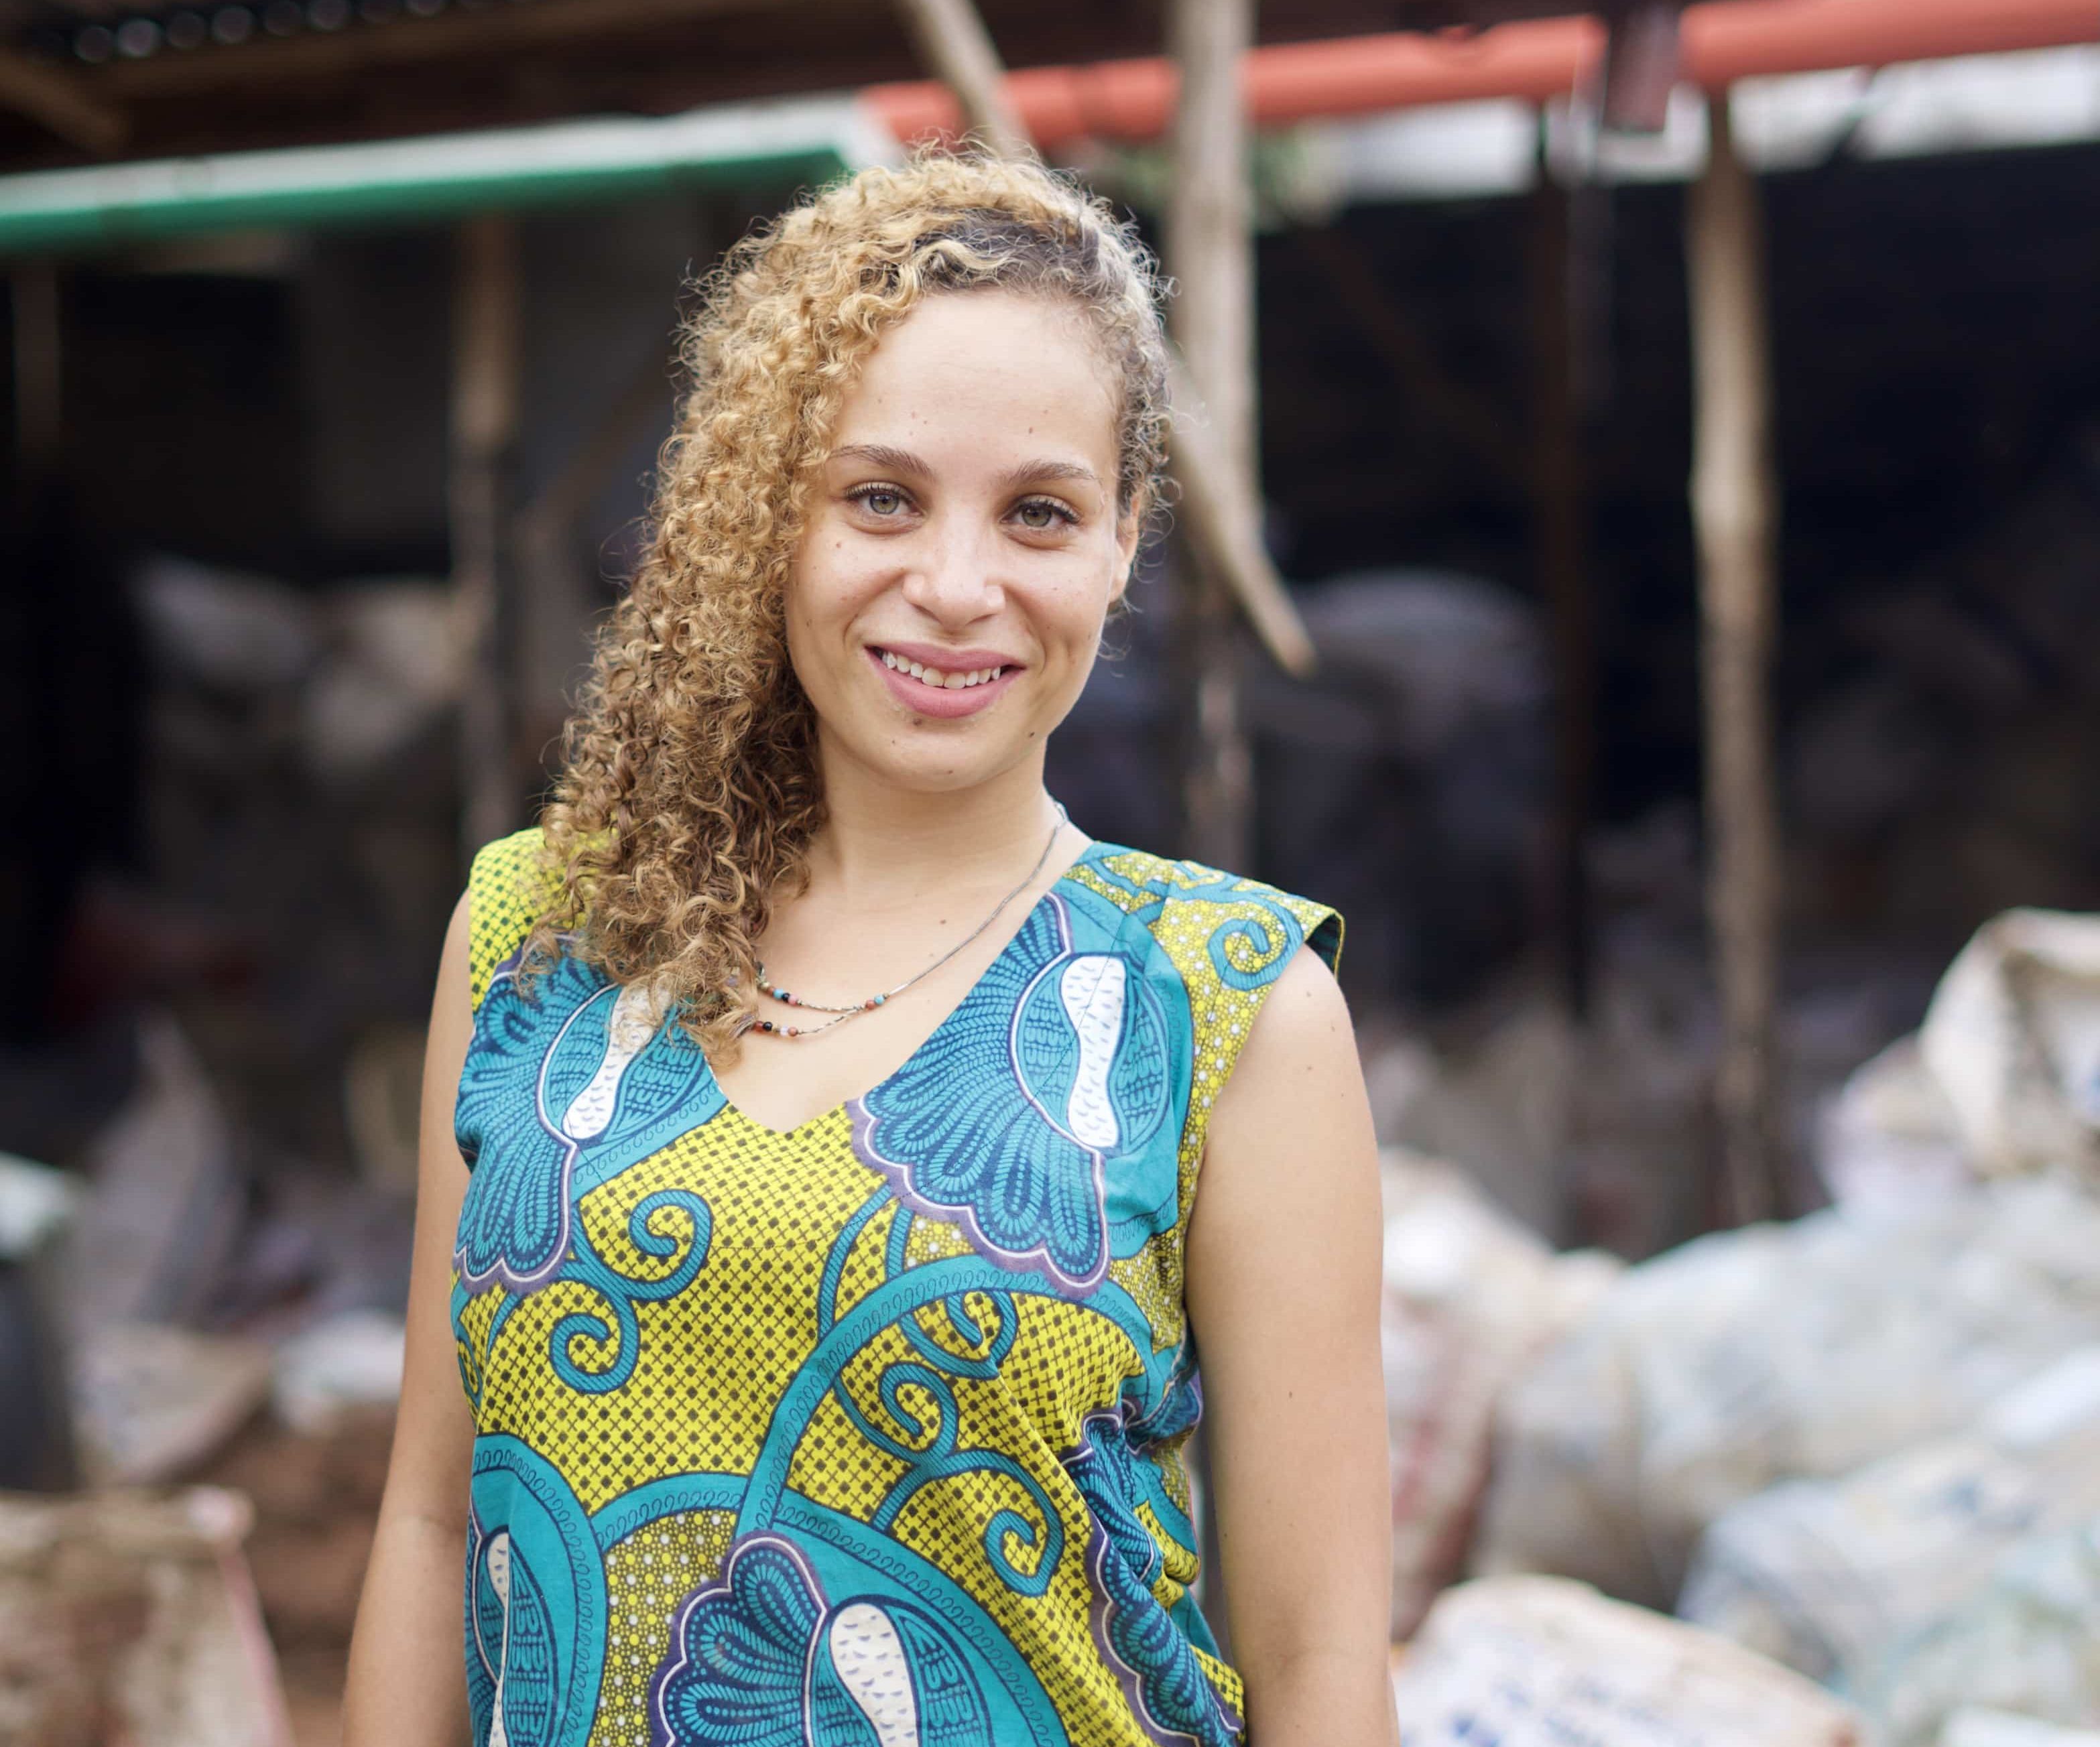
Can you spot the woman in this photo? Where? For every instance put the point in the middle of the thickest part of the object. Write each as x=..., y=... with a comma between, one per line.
x=859, y=1154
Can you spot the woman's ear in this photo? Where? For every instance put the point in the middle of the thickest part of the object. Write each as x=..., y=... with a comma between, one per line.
x=1130, y=525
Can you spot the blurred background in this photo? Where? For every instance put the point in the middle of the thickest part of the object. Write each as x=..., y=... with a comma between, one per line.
x=1638, y=555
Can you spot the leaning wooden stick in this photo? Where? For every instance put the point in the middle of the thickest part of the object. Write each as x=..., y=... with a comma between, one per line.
x=952, y=39
x=1227, y=533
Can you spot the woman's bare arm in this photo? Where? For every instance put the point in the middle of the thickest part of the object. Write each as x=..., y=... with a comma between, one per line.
x=407, y=1683
x=1283, y=1270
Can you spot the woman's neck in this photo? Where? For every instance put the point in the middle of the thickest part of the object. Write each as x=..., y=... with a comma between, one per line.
x=882, y=846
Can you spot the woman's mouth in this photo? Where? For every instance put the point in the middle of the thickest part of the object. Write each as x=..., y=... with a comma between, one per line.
x=926, y=687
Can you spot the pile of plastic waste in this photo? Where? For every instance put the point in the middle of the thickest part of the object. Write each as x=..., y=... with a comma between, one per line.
x=1859, y=1453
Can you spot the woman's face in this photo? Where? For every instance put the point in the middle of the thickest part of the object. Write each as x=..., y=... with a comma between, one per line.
x=963, y=546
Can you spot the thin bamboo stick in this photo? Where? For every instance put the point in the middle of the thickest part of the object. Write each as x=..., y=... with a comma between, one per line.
x=1735, y=512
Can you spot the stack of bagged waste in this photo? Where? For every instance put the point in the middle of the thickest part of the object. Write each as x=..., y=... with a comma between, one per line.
x=1866, y=1445
x=2024, y=1644
x=1778, y=1353
x=1823, y=1574
x=1522, y=1662
x=1469, y=1298
x=170, y=1323
x=126, y=1618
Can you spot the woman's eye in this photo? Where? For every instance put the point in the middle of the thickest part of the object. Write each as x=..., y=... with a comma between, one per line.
x=1040, y=515
x=880, y=500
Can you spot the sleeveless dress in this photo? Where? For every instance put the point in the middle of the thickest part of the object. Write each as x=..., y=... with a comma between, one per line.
x=867, y=1434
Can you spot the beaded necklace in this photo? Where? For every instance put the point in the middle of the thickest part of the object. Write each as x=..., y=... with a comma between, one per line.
x=854, y=1010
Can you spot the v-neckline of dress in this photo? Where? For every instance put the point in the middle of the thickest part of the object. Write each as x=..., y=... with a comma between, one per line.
x=1092, y=851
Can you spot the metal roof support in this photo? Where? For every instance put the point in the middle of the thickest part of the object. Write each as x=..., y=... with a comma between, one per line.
x=1643, y=62
x=1735, y=509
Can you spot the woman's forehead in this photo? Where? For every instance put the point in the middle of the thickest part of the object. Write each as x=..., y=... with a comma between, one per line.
x=987, y=368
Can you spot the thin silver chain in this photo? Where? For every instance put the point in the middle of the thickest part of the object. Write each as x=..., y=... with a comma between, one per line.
x=774, y=991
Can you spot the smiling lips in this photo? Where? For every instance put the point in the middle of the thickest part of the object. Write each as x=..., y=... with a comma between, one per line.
x=945, y=683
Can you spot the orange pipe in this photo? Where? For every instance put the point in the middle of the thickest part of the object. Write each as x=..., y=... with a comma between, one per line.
x=1750, y=38
x=1724, y=41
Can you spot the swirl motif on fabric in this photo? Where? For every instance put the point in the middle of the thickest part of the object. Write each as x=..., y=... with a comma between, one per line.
x=563, y=1087
x=1168, y=1690
x=1003, y=1120
x=760, y=1659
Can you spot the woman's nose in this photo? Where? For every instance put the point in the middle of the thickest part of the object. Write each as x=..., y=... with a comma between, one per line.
x=956, y=579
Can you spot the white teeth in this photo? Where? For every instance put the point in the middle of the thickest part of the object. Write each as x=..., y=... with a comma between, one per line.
x=940, y=678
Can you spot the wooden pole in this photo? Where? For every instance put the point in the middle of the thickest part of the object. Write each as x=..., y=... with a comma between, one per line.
x=1209, y=251
x=952, y=40
x=39, y=354
x=1735, y=512
x=1561, y=547
x=484, y=421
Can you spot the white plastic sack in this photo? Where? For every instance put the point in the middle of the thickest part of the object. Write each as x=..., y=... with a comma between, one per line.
x=1823, y=1575
x=2012, y=1037
x=151, y=1401
x=1889, y=1139
x=1543, y=1662
x=2001, y=1728
x=348, y=1361
x=1776, y=1354
x=2027, y=1642
x=1470, y=1296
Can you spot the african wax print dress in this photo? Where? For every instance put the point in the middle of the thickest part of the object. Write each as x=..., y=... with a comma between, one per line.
x=866, y=1434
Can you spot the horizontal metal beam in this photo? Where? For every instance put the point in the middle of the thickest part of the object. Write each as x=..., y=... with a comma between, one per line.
x=800, y=141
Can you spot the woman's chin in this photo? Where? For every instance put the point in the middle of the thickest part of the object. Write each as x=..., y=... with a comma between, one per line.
x=932, y=758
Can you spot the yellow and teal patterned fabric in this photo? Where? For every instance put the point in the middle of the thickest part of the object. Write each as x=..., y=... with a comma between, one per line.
x=869, y=1433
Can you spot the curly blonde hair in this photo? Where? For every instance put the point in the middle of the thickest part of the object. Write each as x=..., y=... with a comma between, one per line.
x=689, y=791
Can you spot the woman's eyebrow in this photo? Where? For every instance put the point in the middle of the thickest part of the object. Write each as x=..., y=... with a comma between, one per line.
x=881, y=455
x=1045, y=472
x=894, y=460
